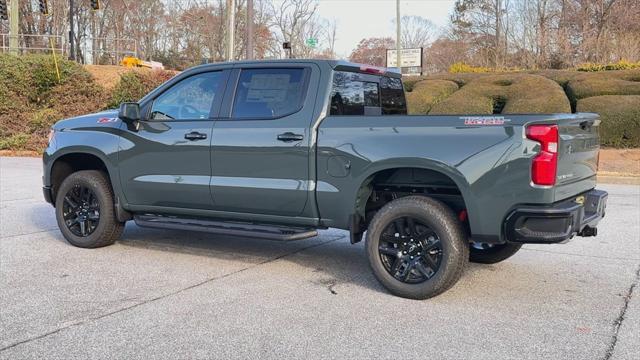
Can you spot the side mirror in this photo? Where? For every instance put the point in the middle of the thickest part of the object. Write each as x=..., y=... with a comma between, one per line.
x=129, y=113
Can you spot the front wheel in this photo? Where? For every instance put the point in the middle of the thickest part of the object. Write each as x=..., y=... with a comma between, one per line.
x=85, y=210
x=416, y=247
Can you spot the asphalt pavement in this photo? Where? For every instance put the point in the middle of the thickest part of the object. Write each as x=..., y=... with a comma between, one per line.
x=185, y=295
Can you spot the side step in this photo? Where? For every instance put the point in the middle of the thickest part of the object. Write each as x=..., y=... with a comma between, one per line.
x=267, y=232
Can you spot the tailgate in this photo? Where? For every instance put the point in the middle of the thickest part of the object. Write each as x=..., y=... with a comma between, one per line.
x=577, y=154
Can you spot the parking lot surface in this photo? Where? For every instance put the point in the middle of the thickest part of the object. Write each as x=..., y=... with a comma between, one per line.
x=173, y=294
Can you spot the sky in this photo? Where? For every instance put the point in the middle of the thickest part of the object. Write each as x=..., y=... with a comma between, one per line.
x=359, y=19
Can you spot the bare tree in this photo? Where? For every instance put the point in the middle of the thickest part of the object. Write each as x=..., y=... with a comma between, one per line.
x=294, y=21
x=495, y=33
x=416, y=31
x=372, y=51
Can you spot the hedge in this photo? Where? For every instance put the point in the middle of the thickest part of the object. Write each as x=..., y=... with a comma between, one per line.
x=621, y=82
x=133, y=85
x=505, y=94
x=620, y=117
x=620, y=65
x=427, y=93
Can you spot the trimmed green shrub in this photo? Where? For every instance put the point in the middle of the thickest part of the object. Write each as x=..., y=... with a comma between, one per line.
x=622, y=82
x=77, y=97
x=133, y=85
x=505, y=94
x=562, y=77
x=29, y=77
x=32, y=98
x=461, y=67
x=14, y=142
x=620, y=116
x=409, y=82
x=426, y=93
x=461, y=79
x=42, y=120
x=620, y=65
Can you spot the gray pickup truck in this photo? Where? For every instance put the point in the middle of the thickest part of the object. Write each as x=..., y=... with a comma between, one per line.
x=279, y=149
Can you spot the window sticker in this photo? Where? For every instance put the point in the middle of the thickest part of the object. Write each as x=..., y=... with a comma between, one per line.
x=268, y=88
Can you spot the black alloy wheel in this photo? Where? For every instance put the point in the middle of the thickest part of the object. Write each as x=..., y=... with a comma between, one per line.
x=81, y=210
x=416, y=247
x=85, y=210
x=410, y=251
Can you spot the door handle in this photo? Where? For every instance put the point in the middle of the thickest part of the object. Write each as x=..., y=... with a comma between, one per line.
x=194, y=135
x=289, y=136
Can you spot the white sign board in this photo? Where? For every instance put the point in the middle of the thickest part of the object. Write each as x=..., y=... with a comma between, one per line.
x=408, y=58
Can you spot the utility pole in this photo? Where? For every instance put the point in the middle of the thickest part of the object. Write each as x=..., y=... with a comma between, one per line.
x=398, y=34
x=230, y=28
x=249, y=29
x=14, y=9
x=72, y=37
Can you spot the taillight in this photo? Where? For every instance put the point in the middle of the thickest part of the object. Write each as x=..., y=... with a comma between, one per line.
x=545, y=164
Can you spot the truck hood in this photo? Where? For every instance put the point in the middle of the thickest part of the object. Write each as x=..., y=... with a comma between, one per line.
x=107, y=118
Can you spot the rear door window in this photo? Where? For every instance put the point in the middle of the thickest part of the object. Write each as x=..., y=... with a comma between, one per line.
x=269, y=93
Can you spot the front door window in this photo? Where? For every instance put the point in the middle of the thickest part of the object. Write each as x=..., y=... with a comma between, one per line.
x=190, y=99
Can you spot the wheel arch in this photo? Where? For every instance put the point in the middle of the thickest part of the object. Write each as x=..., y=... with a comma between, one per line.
x=63, y=163
x=375, y=171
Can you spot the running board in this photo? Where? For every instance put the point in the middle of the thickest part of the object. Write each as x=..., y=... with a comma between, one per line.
x=266, y=232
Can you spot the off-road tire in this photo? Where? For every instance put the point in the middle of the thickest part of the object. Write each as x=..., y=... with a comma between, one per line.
x=494, y=254
x=109, y=229
x=441, y=219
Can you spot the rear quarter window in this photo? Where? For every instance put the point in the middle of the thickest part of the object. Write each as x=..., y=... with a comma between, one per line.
x=392, y=97
x=363, y=94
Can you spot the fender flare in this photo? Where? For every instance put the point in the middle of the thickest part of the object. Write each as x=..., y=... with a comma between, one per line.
x=420, y=163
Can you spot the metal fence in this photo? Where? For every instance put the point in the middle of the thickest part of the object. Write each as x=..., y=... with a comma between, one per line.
x=99, y=51
x=34, y=43
x=106, y=51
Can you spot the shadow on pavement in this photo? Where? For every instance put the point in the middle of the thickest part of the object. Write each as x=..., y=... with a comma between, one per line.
x=330, y=254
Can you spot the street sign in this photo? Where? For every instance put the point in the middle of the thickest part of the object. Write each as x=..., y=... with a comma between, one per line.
x=312, y=42
x=408, y=57
x=410, y=61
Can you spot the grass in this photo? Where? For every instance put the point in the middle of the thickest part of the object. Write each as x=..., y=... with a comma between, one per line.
x=620, y=117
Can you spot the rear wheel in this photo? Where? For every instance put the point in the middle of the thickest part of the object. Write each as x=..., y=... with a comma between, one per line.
x=416, y=247
x=85, y=210
x=491, y=253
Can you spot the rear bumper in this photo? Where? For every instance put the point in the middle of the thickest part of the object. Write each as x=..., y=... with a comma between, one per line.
x=558, y=222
